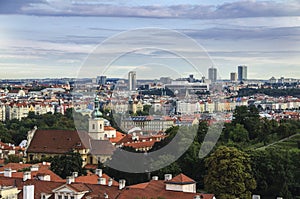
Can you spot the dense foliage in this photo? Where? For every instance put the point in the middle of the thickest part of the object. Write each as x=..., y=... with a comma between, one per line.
x=229, y=174
x=275, y=165
x=251, y=137
x=270, y=92
x=14, y=131
x=65, y=165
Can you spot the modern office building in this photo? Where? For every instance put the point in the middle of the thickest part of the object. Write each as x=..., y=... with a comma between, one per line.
x=242, y=73
x=233, y=77
x=212, y=74
x=132, y=80
x=101, y=80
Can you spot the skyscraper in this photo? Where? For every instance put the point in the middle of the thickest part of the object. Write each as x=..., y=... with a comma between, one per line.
x=212, y=74
x=233, y=77
x=132, y=80
x=101, y=80
x=242, y=73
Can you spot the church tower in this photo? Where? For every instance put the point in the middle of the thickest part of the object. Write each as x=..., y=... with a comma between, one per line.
x=96, y=123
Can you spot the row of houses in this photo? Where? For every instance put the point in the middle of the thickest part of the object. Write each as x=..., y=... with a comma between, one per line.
x=21, y=109
x=39, y=182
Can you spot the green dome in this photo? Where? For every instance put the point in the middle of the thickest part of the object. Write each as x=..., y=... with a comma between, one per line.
x=96, y=113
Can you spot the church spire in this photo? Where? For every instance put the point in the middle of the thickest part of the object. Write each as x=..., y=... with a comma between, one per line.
x=96, y=113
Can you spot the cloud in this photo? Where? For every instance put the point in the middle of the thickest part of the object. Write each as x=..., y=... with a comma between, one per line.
x=238, y=9
x=235, y=33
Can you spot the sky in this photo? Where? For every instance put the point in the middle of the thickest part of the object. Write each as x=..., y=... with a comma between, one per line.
x=86, y=38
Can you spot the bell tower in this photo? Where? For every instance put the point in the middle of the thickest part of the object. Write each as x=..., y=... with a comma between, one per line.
x=96, y=123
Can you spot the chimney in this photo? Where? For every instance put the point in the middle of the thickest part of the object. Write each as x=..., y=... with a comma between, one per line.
x=26, y=175
x=70, y=179
x=105, y=195
x=28, y=192
x=154, y=177
x=44, y=177
x=98, y=172
x=122, y=184
x=34, y=167
x=110, y=182
x=168, y=177
x=101, y=181
x=75, y=174
x=7, y=172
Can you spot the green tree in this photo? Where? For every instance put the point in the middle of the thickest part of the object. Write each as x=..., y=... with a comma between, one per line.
x=249, y=117
x=64, y=165
x=229, y=174
x=274, y=171
x=239, y=134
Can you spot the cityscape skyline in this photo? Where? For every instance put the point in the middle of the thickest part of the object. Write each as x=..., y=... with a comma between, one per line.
x=59, y=45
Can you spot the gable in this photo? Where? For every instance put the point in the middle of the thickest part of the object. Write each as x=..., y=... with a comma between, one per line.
x=64, y=189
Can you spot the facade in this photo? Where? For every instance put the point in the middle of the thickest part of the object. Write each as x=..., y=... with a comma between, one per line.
x=212, y=74
x=182, y=88
x=242, y=73
x=10, y=192
x=147, y=123
x=2, y=112
x=132, y=80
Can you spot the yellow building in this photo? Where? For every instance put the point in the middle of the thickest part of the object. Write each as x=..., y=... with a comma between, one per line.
x=10, y=192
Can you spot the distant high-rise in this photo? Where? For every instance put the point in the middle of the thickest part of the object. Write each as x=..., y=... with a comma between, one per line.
x=101, y=80
x=233, y=77
x=242, y=73
x=132, y=80
x=212, y=74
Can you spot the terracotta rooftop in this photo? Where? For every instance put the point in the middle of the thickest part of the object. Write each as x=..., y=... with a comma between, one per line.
x=181, y=179
x=119, y=136
x=42, y=169
x=55, y=141
x=157, y=188
x=92, y=178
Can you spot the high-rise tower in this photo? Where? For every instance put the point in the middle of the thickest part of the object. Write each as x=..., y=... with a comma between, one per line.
x=212, y=74
x=132, y=80
x=242, y=73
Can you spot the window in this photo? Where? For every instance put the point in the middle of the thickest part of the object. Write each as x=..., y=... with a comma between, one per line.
x=59, y=197
x=100, y=126
x=93, y=126
x=72, y=197
x=66, y=197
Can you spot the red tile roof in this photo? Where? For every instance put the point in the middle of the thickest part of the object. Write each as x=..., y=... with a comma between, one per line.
x=93, y=179
x=181, y=179
x=119, y=136
x=156, y=188
x=55, y=141
x=43, y=169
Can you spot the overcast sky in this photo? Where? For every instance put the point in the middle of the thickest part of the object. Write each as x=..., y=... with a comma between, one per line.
x=54, y=38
